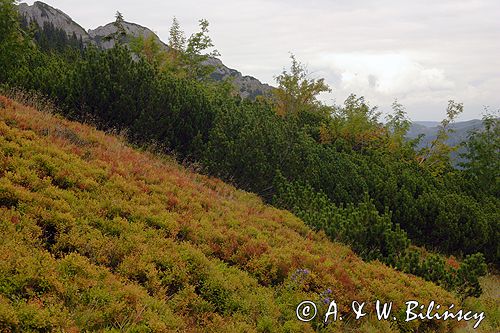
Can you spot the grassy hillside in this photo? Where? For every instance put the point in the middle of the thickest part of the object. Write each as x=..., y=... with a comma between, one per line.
x=97, y=236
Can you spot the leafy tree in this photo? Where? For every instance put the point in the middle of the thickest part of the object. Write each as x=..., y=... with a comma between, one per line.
x=196, y=51
x=482, y=158
x=185, y=58
x=176, y=42
x=189, y=57
x=9, y=26
x=177, y=39
x=355, y=125
x=297, y=93
x=398, y=126
x=150, y=49
x=436, y=157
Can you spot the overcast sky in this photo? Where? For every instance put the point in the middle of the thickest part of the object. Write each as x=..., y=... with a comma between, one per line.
x=421, y=52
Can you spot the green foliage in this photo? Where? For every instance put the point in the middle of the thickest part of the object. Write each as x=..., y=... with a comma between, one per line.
x=482, y=156
x=462, y=280
x=442, y=215
x=361, y=226
x=297, y=93
x=374, y=237
x=488, y=302
x=468, y=274
x=250, y=143
x=185, y=58
x=398, y=126
x=176, y=40
x=13, y=45
x=436, y=157
x=354, y=126
x=247, y=144
x=49, y=38
x=116, y=92
x=149, y=49
x=195, y=58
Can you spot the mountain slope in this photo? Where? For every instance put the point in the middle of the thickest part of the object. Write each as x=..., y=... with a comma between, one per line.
x=100, y=236
x=248, y=86
x=42, y=13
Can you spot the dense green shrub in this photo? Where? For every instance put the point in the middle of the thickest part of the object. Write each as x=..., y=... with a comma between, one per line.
x=374, y=236
x=370, y=234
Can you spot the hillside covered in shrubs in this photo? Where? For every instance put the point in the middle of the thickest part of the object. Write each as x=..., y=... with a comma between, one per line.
x=97, y=235
x=179, y=241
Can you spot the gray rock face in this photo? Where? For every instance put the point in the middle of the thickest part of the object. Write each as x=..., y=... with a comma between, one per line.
x=247, y=86
x=98, y=35
x=41, y=13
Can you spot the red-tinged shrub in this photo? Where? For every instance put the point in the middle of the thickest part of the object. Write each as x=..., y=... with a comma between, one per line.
x=172, y=202
x=452, y=262
x=5, y=103
x=250, y=250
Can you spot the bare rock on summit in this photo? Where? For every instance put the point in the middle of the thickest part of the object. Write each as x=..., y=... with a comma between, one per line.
x=248, y=86
x=98, y=35
x=42, y=13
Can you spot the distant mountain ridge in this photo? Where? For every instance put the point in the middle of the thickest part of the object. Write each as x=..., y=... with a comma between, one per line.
x=461, y=131
x=40, y=12
x=430, y=129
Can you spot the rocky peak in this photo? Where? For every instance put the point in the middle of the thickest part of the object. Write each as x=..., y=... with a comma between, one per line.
x=41, y=12
x=98, y=35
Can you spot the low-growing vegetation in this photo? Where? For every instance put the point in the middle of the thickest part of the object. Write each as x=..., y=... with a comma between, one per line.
x=99, y=236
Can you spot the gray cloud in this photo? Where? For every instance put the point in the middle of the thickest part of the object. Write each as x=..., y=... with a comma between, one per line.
x=421, y=52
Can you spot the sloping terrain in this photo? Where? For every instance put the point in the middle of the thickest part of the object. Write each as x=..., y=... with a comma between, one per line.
x=98, y=236
x=43, y=13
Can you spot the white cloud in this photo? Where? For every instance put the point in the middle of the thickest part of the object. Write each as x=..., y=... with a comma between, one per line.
x=388, y=74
